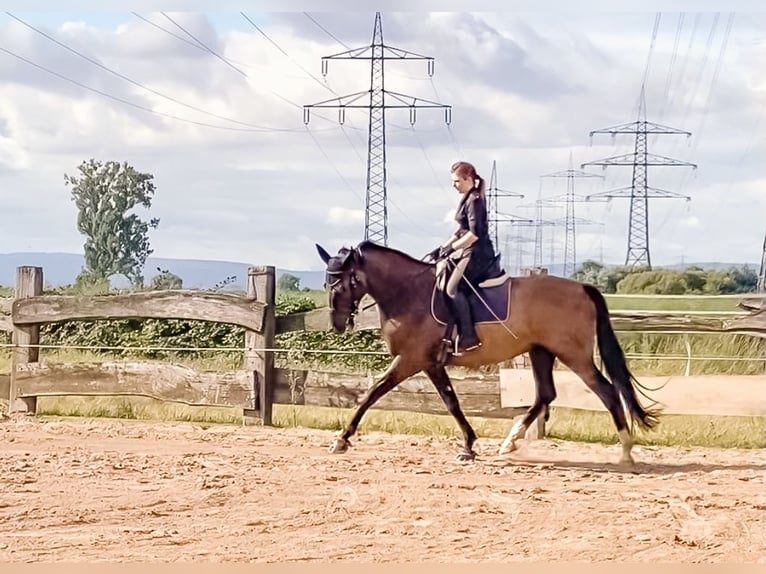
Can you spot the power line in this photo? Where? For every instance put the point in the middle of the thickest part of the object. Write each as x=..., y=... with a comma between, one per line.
x=330, y=34
x=673, y=56
x=278, y=47
x=376, y=209
x=494, y=215
x=199, y=44
x=651, y=46
x=137, y=15
x=639, y=191
x=203, y=45
x=428, y=161
x=327, y=157
x=144, y=108
x=711, y=90
x=192, y=44
x=388, y=123
x=570, y=253
x=126, y=78
x=326, y=86
x=693, y=93
x=714, y=79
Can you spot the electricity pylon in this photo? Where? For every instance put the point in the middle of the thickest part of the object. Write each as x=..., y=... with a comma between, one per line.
x=495, y=215
x=376, y=208
x=538, y=223
x=570, y=253
x=518, y=239
x=639, y=192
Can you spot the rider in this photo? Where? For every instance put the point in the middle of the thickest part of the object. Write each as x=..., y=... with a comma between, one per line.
x=470, y=247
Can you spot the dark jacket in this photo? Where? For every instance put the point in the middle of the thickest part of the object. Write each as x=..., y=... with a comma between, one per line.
x=471, y=215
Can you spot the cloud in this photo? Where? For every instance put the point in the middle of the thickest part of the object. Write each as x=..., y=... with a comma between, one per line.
x=525, y=90
x=344, y=216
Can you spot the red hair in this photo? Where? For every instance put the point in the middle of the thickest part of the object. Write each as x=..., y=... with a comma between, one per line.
x=468, y=171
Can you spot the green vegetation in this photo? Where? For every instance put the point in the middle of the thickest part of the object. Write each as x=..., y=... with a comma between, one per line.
x=692, y=280
x=116, y=239
x=635, y=302
x=626, y=291
x=564, y=424
x=669, y=351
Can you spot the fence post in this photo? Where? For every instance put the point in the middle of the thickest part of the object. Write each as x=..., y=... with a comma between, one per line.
x=261, y=286
x=29, y=283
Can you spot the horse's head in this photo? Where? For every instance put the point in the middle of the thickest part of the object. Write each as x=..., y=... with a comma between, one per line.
x=345, y=285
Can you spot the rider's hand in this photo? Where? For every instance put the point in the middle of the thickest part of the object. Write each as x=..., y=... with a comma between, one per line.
x=444, y=251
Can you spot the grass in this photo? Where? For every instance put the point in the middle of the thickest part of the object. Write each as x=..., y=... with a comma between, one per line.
x=213, y=362
x=564, y=424
x=712, y=353
x=318, y=296
x=627, y=302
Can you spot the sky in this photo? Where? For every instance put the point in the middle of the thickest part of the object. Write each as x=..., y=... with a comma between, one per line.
x=241, y=177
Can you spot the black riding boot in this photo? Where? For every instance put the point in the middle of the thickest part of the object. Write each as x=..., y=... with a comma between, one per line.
x=469, y=340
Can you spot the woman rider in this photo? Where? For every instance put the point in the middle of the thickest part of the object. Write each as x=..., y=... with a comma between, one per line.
x=470, y=247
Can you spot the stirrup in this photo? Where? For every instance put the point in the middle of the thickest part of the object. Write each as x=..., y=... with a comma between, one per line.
x=445, y=350
x=457, y=352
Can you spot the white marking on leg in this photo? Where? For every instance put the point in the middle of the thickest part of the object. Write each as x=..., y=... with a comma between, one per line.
x=517, y=431
x=627, y=444
x=504, y=447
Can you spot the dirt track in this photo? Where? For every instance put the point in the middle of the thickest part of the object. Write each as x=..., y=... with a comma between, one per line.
x=105, y=490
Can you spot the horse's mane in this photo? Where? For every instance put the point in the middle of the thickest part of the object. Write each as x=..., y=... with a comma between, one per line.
x=369, y=245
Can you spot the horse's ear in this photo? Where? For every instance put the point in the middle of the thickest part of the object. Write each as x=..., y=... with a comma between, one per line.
x=322, y=253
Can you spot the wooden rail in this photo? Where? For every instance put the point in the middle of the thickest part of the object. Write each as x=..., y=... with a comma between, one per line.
x=258, y=385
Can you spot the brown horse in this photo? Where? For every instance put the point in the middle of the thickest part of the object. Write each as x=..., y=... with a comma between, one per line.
x=550, y=317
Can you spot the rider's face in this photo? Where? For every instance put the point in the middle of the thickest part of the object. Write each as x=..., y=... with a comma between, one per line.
x=461, y=184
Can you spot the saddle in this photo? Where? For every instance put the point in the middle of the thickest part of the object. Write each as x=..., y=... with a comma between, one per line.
x=489, y=300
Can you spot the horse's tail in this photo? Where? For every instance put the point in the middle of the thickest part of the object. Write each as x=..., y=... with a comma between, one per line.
x=614, y=361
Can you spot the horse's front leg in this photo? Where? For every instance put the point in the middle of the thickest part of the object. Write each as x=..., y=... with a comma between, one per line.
x=441, y=381
x=391, y=377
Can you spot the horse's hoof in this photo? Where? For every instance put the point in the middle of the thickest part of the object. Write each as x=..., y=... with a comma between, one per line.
x=506, y=448
x=627, y=461
x=465, y=456
x=339, y=446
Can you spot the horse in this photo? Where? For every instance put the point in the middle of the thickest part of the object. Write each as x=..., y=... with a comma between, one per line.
x=548, y=318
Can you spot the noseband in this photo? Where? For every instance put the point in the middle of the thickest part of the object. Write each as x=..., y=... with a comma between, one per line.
x=353, y=283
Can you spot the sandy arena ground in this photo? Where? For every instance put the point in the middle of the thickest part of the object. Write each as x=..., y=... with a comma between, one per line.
x=107, y=490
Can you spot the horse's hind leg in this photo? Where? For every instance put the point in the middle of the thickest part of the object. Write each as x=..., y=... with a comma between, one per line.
x=607, y=392
x=542, y=369
x=440, y=379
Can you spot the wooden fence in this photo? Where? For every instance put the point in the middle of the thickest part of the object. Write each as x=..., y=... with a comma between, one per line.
x=257, y=385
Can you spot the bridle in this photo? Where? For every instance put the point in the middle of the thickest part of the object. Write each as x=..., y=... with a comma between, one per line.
x=353, y=284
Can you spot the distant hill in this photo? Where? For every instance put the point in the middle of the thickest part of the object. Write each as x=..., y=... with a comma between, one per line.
x=63, y=268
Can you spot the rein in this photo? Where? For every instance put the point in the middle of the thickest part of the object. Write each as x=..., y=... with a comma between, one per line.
x=355, y=281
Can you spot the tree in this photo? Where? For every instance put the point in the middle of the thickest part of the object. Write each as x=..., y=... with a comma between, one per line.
x=289, y=282
x=695, y=279
x=166, y=280
x=605, y=278
x=739, y=280
x=656, y=281
x=116, y=240
x=591, y=272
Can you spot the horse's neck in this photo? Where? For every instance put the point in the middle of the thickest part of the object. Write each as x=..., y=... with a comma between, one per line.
x=397, y=285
